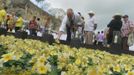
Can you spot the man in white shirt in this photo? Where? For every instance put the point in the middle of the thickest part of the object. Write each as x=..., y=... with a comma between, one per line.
x=69, y=24
x=89, y=28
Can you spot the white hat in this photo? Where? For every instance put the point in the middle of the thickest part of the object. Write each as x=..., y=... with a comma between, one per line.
x=91, y=12
x=118, y=14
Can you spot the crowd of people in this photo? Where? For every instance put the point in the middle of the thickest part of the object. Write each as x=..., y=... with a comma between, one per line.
x=119, y=31
x=14, y=22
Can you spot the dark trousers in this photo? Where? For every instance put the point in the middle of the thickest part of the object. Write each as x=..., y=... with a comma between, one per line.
x=95, y=42
x=33, y=32
x=110, y=36
x=68, y=34
x=125, y=43
x=100, y=43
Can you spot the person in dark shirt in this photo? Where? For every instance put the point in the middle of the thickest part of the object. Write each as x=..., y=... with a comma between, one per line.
x=116, y=23
x=115, y=30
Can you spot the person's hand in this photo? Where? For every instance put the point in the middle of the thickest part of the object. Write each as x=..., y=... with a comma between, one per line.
x=57, y=38
x=57, y=41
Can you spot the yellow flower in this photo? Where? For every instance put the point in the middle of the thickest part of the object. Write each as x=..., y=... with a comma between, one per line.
x=93, y=72
x=101, y=69
x=33, y=60
x=130, y=73
x=62, y=59
x=128, y=67
x=117, y=68
x=100, y=73
x=42, y=69
x=78, y=62
x=18, y=55
x=31, y=51
x=42, y=59
x=7, y=57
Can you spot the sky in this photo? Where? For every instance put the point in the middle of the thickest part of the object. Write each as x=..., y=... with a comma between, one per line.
x=104, y=9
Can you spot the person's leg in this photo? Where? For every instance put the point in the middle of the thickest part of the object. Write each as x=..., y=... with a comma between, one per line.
x=114, y=39
x=119, y=37
x=34, y=32
x=82, y=37
x=86, y=38
x=16, y=29
x=90, y=38
x=31, y=33
x=91, y=35
x=7, y=28
x=95, y=42
x=125, y=45
x=68, y=35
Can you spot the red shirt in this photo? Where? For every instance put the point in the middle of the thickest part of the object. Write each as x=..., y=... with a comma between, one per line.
x=33, y=25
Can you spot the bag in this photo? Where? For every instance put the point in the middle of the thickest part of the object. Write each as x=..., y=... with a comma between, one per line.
x=115, y=39
x=131, y=48
x=131, y=39
x=13, y=31
x=39, y=34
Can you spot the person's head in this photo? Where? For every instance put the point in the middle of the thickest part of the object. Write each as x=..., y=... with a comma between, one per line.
x=13, y=13
x=34, y=17
x=91, y=13
x=48, y=19
x=79, y=13
x=38, y=19
x=125, y=17
x=8, y=16
x=70, y=13
x=5, y=8
x=18, y=15
x=117, y=16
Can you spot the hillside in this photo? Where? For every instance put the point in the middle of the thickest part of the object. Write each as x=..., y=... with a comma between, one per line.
x=28, y=10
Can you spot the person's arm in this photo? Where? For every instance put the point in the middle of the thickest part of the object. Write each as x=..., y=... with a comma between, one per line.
x=95, y=23
x=110, y=24
x=95, y=26
x=131, y=26
x=62, y=27
x=80, y=21
x=59, y=34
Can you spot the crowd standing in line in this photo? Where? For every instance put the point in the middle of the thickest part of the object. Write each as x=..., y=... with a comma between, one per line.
x=119, y=31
